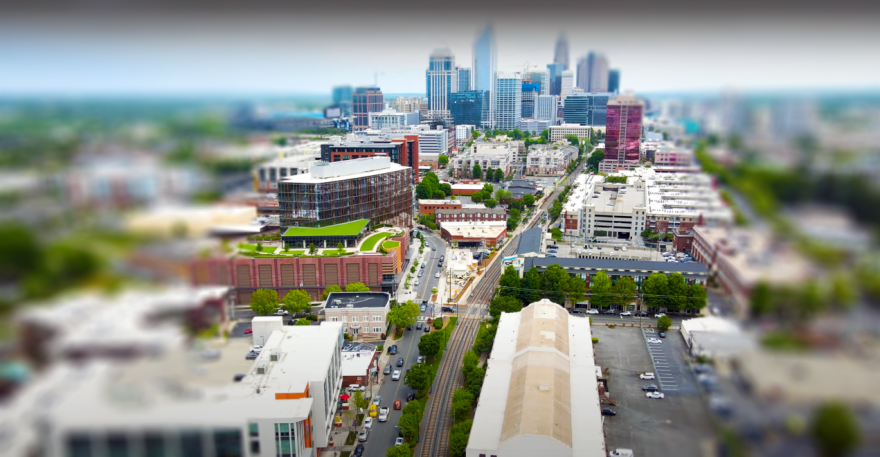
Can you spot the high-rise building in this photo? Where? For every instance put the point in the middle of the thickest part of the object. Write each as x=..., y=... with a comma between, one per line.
x=408, y=104
x=586, y=109
x=508, y=101
x=555, y=78
x=545, y=108
x=441, y=79
x=403, y=150
x=366, y=100
x=561, y=54
x=467, y=107
x=567, y=87
x=484, y=68
x=464, y=79
x=593, y=73
x=542, y=79
x=623, y=130
x=614, y=81
x=530, y=91
x=342, y=96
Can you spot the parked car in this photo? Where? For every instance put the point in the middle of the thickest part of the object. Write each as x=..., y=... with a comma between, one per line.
x=654, y=341
x=592, y=311
x=651, y=388
x=427, y=329
x=364, y=434
x=258, y=349
x=393, y=349
x=702, y=368
x=411, y=396
x=422, y=266
x=409, y=327
x=609, y=312
x=647, y=376
x=626, y=313
x=416, y=282
x=655, y=395
x=398, y=441
x=249, y=331
x=383, y=414
x=423, y=308
x=575, y=311
x=554, y=251
x=376, y=400
x=397, y=404
x=358, y=451
x=356, y=387
x=424, y=303
x=642, y=314
x=551, y=255
x=608, y=412
x=447, y=309
x=251, y=355
x=621, y=453
x=396, y=375
x=419, y=325
x=421, y=359
x=662, y=334
x=368, y=422
x=400, y=361
x=437, y=274
x=421, y=273
x=659, y=314
x=387, y=369
x=433, y=249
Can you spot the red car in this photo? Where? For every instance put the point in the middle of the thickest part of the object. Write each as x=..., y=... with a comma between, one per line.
x=249, y=331
x=396, y=404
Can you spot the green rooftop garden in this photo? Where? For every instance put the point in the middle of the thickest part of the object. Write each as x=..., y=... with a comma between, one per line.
x=391, y=244
x=347, y=229
x=370, y=242
x=253, y=248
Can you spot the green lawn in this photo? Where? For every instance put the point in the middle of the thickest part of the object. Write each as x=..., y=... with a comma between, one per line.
x=292, y=252
x=349, y=228
x=253, y=248
x=370, y=243
x=391, y=244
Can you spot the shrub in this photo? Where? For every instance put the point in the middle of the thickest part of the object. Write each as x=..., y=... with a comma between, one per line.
x=612, y=325
x=595, y=340
x=438, y=324
x=312, y=317
x=380, y=348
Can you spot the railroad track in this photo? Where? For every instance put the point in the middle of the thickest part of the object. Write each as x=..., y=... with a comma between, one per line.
x=438, y=420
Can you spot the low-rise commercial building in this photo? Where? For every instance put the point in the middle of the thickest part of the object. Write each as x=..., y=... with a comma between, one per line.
x=371, y=188
x=561, y=132
x=547, y=159
x=392, y=119
x=488, y=233
x=359, y=364
x=362, y=314
x=534, y=126
x=540, y=395
x=479, y=214
x=430, y=206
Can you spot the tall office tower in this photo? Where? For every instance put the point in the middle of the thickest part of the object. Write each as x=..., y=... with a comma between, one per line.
x=342, y=98
x=366, y=100
x=545, y=108
x=508, y=101
x=567, y=85
x=441, y=79
x=614, y=81
x=576, y=110
x=623, y=130
x=555, y=70
x=598, y=67
x=542, y=79
x=467, y=107
x=583, y=73
x=484, y=68
x=464, y=79
x=561, y=54
x=530, y=91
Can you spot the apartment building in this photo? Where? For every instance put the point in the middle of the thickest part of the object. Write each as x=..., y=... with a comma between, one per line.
x=362, y=314
x=487, y=155
x=470, y=215
x=550, y=159
x=371, y=188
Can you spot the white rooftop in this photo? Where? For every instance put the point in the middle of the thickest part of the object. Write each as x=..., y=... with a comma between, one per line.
x=346, y=169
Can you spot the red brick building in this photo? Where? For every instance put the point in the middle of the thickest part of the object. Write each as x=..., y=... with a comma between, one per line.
x=469, y=215
x=402, y=151
x=427, y=207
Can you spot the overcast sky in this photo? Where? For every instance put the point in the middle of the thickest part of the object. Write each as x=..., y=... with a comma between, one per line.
x=668, y=47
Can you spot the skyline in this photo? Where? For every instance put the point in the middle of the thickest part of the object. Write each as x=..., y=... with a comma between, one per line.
x=267, y=55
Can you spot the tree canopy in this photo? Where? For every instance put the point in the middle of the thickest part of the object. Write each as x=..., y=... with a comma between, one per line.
x=500, y=305
x=509, y=283
x=329, y=290
x=654, y=290
x=490, y=203
x=356, y=287
x=442, y=160
x=404, y=315
x=554, y=282
x=531, y=284
x=663, y=323
x=477, y=171
x=430, y=343
x=528, y=199
x=419, y=377
x=676, y=291
x=835, y=430
x=264, y=301
x=624, y=291
x=600, y=292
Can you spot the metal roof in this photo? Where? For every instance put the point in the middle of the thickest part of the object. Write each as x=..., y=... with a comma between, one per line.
x=530, y=241
x=686, y=269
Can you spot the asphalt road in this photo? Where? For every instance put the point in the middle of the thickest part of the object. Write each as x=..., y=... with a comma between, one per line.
x=428, y=281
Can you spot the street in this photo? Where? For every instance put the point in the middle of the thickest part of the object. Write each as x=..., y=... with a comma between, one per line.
x=430, y=258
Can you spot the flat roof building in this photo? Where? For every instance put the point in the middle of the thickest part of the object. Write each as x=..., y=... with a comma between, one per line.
x=362, y=314
x=560, y=132
x=392, y=119
x=550, y=159
x=487, y=155
x=540, y=395
x=486, y=233
x=402, y=148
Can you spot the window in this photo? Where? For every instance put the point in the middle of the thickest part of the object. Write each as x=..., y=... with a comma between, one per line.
x=344, y=318
x=377, y=318
x=366, y=318
x=377, y=329
x=354, y=318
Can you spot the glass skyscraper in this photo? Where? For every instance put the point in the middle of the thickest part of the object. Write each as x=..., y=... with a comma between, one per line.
x=586, y=109
x=614, y=81
x=555, y=82
x=530, y=91
x=624, y=130
x=467, y=107
x=508, y=101
x=484, y=68
x=441, y=79
x=464, y=79
x=342, y=96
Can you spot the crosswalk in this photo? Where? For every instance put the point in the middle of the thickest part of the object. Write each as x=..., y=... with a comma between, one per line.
x=662, y=369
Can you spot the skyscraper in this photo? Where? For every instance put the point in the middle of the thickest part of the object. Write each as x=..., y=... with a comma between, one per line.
x=614, y=81
x=546, y=107
x=576, y=110
x=484, y=68
x=593, y=73
x=555, y=84
x=508, y=101
x=583, y=73
x=464, y=79
x=542, y=79
x=567, y=85
x=441, y=79
x=467, y=107
x=623, y=131
x=561, y=54
x=366, y=100
x=530, y=91
x=342, y=98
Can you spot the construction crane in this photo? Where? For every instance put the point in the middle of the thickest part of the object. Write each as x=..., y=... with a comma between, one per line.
x=525, y=72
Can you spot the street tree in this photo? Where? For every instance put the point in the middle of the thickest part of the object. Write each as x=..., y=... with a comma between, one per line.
x=458, y=438
x=443, y=160
x=477, y=197
x=264, y=301
x=509, y=283
x=556, y=233
x=471, y=361
x=529, y=199
x=409, y=425
x=500, y=305
x=487, y=190
x=429, y=344
x=404, y=315
x=554, y=282
x=340, y=246
x=676, y=291
x=532, y=290
x=654, y=290
x=399, y=451
x=356, y=287
x=576, y=289
x=419, y=377
x=359, y=401
x=835, y=430
x=462, y=404
x=475, y=381
x=499, y=175
x=297, y=301
x=601, y=294
x=696, y=297
x=312, y=248
x=477, y=172
x=302, y=322
x=663, y=323
x=761, y=300
x=624, y=291
x=490, y=174
x=485, y=338
x=490, y=203
x=329, y=290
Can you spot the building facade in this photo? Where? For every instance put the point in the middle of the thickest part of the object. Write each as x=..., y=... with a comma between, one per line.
x=555, y=70
x=464, y=78
x=546, y=107
x=441, y=79
x=487, y=155
x=586, y=109
x=623, y=132
x=614, y=81
x=484, y=68
x=534, y=126
x=468, y=107
x=392, y=119
x=560, y=132
x=508, y=101
x=366, y=100
x=546, y=159
x=464, y=132
x=342, y=97
x=593, y=73
x=362, y=314
x=530, y=92
x=334, y=192
x=567, y=85
x=434, y=141
x=402, y=149
x=470, y=215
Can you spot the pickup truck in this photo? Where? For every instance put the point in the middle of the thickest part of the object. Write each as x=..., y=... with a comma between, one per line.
x=383, y=414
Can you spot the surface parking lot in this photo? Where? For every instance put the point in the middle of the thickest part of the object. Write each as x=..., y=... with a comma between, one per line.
x=676, y=425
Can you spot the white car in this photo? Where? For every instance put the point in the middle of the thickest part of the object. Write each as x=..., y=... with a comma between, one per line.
x=362, y=436
x=657, y=395
x=626, y=313
x=654, y=341
x=592, y=311
x=396, y=375
x=282, y=312
x=398, y=441
x=383, y=414
x=368, y=422
x=258, y=349
x=659, y=314
x=437, y=275
x=377, y=400
x=355, y=387
x=648, y=376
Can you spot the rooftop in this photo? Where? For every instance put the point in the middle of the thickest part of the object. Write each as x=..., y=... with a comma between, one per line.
x=429, y=201
x=611, y=265
x=346, y=169
x=476, y=229
x=347, y=229
x=530, y=241
x=344, y=300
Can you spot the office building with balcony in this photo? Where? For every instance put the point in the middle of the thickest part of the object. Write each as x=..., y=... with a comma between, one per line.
x=550, y=160
x=487, y=155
